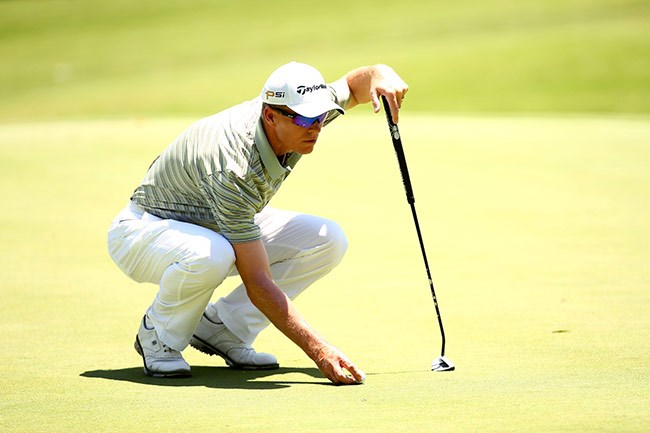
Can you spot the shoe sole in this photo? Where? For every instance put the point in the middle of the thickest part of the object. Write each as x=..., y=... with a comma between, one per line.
x=203, y=346
x=171, y=374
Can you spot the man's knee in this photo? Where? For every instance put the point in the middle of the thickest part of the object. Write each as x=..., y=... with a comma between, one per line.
x=335, y=241
x=211, y=262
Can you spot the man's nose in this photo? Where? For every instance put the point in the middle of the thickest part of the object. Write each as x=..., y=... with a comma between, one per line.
x=316, y=126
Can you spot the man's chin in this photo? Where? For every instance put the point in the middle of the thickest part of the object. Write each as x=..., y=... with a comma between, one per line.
x=307, y=148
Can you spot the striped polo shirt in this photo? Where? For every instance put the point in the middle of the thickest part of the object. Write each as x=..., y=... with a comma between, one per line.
x=221, y=171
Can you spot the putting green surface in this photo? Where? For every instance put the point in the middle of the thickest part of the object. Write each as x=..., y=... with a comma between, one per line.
x=537, y=234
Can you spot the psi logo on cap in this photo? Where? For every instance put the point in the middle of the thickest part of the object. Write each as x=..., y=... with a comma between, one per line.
x=272, y=94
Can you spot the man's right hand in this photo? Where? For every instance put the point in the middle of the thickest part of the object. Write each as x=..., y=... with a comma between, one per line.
x=337, y=367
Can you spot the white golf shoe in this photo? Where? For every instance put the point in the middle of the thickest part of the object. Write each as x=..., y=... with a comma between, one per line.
x=215, y=339
x=159, y=359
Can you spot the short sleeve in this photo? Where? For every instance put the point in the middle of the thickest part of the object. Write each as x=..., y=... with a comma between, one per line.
x=340, y=93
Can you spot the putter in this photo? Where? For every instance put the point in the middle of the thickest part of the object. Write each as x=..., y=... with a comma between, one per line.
x=442, y=363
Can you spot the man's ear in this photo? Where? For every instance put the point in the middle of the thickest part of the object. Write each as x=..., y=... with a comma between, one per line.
x=268, y=115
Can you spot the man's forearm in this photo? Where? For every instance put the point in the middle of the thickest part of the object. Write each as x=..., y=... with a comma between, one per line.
x=359, y=80
x=252, y=264
x=279, y=309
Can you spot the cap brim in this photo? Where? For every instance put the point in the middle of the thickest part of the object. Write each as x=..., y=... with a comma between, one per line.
x=315, y=109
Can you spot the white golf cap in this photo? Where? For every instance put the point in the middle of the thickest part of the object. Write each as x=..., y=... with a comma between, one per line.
x=301, y=88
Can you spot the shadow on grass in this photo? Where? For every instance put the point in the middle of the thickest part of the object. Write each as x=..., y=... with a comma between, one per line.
x=216, y=377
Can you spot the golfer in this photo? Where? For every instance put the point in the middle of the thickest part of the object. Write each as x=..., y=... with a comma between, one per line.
x=201, y=214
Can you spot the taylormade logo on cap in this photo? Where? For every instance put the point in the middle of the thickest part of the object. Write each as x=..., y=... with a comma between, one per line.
x=304, y=89
x=301, y=88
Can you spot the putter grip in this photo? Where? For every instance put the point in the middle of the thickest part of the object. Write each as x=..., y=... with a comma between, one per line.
x=399, y=151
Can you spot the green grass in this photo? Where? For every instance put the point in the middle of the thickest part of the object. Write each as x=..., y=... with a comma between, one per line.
x=123, y=58
x=534, y=213
x=536, y=231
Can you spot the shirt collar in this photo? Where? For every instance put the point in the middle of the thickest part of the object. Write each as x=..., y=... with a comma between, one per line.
x=269, y=159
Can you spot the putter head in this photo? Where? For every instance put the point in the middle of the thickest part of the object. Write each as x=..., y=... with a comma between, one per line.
x=442, y=364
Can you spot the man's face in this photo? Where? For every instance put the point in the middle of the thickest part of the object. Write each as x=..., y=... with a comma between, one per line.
x=293, y=137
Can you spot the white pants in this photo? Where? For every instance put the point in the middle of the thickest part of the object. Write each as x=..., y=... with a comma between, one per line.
x=188, y=262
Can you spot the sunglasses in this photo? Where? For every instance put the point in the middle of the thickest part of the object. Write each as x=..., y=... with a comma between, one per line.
x=301, y=120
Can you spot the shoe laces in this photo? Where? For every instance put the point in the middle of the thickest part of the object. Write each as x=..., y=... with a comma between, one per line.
x=165, y=348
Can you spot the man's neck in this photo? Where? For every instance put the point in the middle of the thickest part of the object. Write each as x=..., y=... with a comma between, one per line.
x=272, y=137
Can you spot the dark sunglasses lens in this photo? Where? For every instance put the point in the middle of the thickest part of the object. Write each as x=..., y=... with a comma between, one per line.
x=306, y=122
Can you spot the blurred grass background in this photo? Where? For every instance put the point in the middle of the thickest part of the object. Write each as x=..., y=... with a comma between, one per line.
x=123, y=58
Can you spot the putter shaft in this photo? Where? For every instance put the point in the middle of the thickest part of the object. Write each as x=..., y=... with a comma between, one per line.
x=410, y=198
